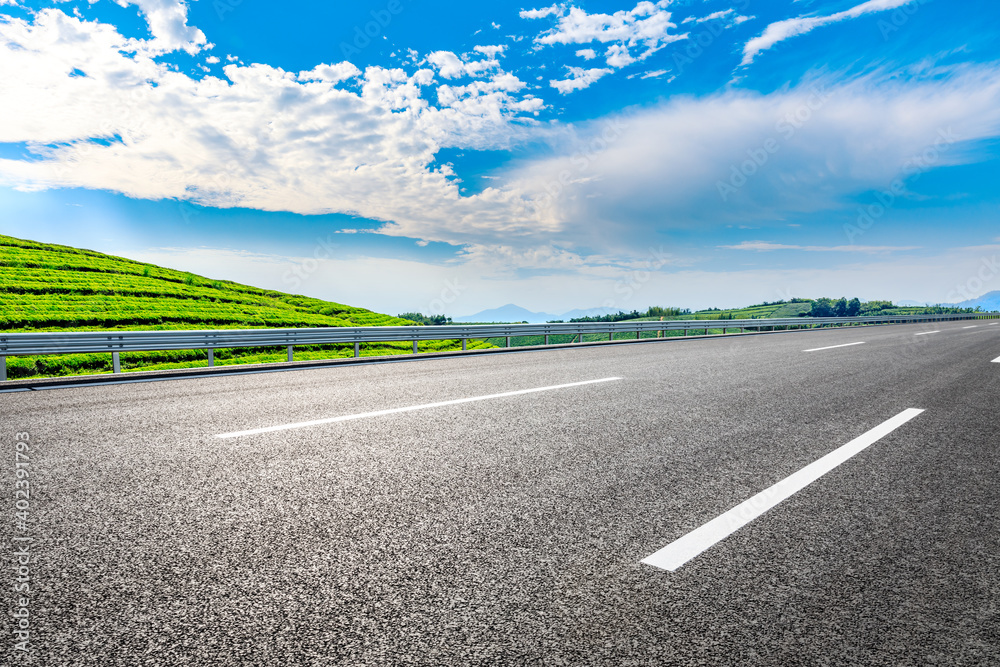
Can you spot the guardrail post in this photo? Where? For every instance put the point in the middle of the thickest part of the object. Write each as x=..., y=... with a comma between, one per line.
x=291, y=355
x=357, y=350
x=638, y=334
x=508, y=341
x=211, y=357
x=464, y=341
x=611, y=335
x=414, y=347
x=3, y=368
x=546, y=339
x=116, y=363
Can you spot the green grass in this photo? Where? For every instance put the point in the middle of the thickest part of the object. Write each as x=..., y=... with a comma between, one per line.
x=46, y=287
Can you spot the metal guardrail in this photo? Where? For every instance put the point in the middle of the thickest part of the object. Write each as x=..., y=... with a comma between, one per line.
x=116, y=342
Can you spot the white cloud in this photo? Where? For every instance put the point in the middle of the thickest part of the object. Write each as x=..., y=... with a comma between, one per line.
x=450, y=66
x=586, y=54
x=330, y=73
x=554, y=10
x=644, y=29
x=660, y=168
x=260, y=137
x=764, y=246
x=782, y=30
x=579, y=79
x=167, y=21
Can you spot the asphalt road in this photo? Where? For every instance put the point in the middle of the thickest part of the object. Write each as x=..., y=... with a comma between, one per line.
x=511, y=530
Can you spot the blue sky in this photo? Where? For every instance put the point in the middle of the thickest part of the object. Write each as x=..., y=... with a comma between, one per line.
x=420, y=155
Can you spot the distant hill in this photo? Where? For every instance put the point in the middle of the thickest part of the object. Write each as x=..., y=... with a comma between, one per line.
x=508, y=313
x=989, y=302
x=514, y=313
x=46, y=287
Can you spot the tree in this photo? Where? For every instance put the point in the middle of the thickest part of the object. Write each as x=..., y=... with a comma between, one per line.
x=854, y=307
x=822, y=308
x=840, y=307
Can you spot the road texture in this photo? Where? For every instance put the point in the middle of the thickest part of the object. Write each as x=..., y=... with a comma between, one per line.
x=510, y=530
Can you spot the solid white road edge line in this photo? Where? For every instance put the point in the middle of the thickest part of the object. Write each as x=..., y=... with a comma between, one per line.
x=691, y=545
x=927, y=333
x=832, y=347
x=410, y=408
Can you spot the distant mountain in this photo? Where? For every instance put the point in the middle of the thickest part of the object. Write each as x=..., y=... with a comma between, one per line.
x=508, y=313
x=988, y=302
x=514, y=313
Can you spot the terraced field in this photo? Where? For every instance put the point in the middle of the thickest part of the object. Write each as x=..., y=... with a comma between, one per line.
x=45, y=287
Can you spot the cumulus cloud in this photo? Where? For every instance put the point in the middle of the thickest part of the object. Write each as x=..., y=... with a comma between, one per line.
x=261, y=137
x=782, y=30
x=579, y=78
x=167, y=21
x=632, y=36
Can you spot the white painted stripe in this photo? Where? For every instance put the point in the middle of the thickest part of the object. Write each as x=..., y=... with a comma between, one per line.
x=410, y=408
x=927, y=333
x=972, y=327
x=691, y=545
x=997, y=360
x=993, y=324
x=832, y=347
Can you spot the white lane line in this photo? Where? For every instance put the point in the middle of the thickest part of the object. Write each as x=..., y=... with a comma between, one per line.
x=691, y=545
x=410, y=408
x=974, y=326
x=997, y=360
x=832, y=347
x=927, y=333
x=993, y=324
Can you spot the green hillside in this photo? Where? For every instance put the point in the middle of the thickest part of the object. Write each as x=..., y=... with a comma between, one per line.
x=45, y=287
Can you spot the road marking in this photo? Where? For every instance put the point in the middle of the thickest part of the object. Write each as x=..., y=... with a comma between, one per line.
x=927, y=333
x=997, y=360
x=832, y=347
x=410, y=408
x=972, y=327
x=701, y=539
